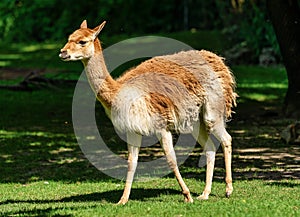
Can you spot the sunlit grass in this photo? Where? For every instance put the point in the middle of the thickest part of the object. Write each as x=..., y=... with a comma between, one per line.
x=15, y=134
x=270, y=84
x=36, y=57
x=37, y=47
x=10, y=56
x=7, y=59
x=5, y=63
x=260, y=83
x=260, y=97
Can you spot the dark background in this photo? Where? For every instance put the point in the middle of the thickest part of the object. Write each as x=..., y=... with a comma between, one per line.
x=52, y=20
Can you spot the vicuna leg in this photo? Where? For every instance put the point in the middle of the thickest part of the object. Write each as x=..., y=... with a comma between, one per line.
x=167, y=144
x=222, y=135
x=210, y=151
x=134, y=142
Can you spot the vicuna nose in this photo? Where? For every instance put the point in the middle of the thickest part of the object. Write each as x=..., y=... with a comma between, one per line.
x=63, y=54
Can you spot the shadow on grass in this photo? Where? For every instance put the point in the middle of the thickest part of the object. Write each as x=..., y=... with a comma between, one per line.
x=32, y=156
x=41, y=212
x=283, y=184
x=139, y=194
x=258, y=153
x=38, y=143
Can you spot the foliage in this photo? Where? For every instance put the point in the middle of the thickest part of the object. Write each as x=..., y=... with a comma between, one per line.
x=41, y=20
x=52, y=20
x=259, y=33
x=249, y=26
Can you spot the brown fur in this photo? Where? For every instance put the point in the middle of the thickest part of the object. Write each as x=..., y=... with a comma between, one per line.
x=172, y=69
x=162, y=105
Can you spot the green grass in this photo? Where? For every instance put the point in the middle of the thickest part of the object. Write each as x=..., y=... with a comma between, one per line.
x=252, y=198
x=261, y=83
x=44, y=173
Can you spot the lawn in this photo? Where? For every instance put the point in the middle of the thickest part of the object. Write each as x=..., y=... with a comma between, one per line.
x=44, y=172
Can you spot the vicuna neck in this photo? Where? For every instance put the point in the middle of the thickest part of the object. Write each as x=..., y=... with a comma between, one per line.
x=101, y=82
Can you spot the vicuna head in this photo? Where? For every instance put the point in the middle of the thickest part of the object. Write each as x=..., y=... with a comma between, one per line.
x=82, y=43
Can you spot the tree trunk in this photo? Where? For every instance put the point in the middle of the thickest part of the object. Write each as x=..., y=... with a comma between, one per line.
x=285, y=17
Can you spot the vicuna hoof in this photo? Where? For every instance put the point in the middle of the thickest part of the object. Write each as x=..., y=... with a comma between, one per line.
x=229, y=190
x=202, y=197
x=188, y=199
x=228, y=194
x=122, y=201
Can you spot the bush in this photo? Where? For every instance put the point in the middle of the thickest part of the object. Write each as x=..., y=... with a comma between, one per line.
x=249, y=26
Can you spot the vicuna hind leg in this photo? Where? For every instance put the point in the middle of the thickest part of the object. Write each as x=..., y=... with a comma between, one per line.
x=201, y=135
x=134, y=142
x=223, y=136
x=167, y=145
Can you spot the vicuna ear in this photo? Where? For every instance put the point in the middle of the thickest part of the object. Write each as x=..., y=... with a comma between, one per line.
x=98, y=29
x=83, y=24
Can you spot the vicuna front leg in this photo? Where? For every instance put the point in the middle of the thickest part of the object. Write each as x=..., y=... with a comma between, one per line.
x=134, y=143
x=167, y=145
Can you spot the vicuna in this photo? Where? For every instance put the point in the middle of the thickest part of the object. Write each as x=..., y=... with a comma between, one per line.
x=187, y=92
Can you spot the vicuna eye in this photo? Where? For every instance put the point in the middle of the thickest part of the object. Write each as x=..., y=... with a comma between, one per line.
x=82, y=42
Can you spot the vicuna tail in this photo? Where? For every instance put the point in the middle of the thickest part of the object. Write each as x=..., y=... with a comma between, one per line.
x=226, y=77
